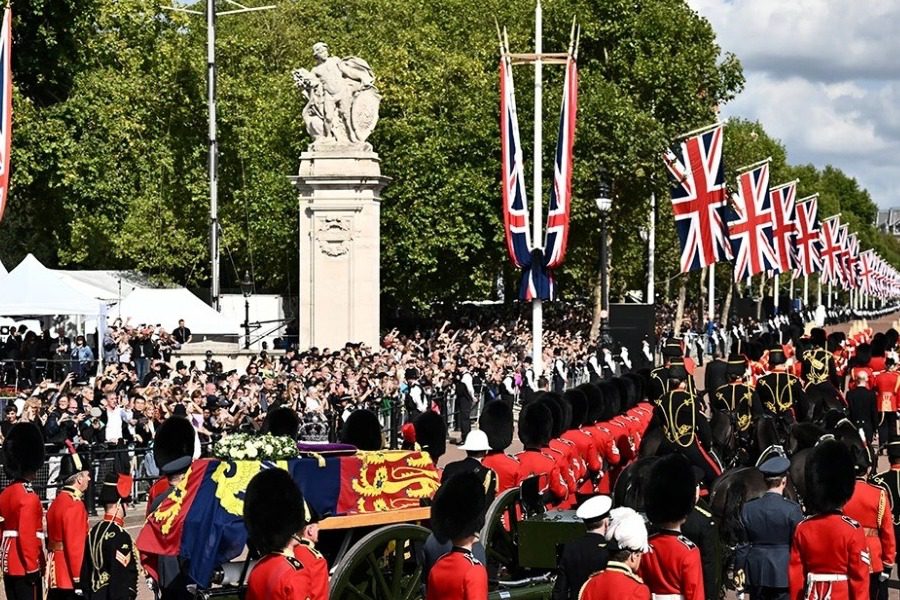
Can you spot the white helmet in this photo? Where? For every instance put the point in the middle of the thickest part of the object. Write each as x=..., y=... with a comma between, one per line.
x=627, y=529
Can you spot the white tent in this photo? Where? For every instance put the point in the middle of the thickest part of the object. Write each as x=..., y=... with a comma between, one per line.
x=33, y=289
x=167, y=306
x=110, y=286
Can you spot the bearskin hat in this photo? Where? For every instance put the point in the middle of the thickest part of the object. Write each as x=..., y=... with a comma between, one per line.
x=283, y=422
x=535, y=425
x=497, y=422
x=776, y=356
x=579, y=404
x=830, y=476
x=431, y=434
x=363, y=430
x=551, y=401
x=835, y=339
x=273, y=510
x=818, y=337
x=458, y=507
x=671, y=489
x=611, y=398
x=626, y=391
x=672, y=349
x=755, y=351
x=596, y=402
x=890, y=338
x=879, y=344
x=638, y=385
x=173, y=446
x=863, y=355
x=23, y=450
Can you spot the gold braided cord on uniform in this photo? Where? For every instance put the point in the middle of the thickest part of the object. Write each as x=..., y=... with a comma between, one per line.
x=818, y=368
x=777, y=394
x=678, y=433
x=744, y=417
x=882, y=503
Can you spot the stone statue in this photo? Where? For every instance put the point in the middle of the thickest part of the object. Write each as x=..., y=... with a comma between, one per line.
x=342, y=100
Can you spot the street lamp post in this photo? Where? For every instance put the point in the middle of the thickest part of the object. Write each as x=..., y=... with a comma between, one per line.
x=247, y=291
x=604, y=203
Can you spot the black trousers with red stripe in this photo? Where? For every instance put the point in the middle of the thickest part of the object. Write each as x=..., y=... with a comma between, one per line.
x=23, y=587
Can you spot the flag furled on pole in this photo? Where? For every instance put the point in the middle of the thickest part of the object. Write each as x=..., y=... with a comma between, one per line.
x=750, y=227
x=867, y=271
x=5, y=107
x=806, y=240
x=841, y=270
x=829, y=249
x=699, y=199
x=536, y=262
x=784, y=226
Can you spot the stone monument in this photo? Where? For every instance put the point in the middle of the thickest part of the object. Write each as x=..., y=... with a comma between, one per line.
x=339, y=185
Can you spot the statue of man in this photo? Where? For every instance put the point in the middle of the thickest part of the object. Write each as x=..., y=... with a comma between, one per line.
x=337, y=94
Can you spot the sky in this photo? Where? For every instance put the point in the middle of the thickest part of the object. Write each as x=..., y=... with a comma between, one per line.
x=823, y=77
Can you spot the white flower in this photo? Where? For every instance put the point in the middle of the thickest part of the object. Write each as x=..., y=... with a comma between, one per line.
x=251, y=452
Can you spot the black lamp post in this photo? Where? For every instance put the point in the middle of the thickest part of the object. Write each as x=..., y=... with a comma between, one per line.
x=247, y=291
x=604, y=203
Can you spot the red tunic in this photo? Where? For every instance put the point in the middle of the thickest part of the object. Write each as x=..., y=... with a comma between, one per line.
x=22, y=526
x=316, y=568
x=506, y=467
x=673, y=566
x=67, y=528
x=563, y=463
x=535, y=462
x=615, y=582
x=605, y=441
x=829, y=546
x=886, y=391
x=587, y=451
x=457, y=575
x=278, y=577
x=870, y=506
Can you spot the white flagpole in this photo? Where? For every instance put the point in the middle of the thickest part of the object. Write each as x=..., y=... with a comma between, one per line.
x=711, y=300
x=775, y=282
x=829, y=294
x=537, y=323
x=791, y=291
x=805, y=291
x=819, y=292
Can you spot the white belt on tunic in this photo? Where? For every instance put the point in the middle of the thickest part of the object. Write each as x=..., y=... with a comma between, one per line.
x=9, y=533
x=667, y=596
x=825, y=577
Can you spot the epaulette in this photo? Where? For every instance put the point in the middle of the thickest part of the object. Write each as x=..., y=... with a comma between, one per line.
x=294, y=562
x=850, y=521
x=690, y=545
x=474, y=561
x=311, y=547
x=27, y=486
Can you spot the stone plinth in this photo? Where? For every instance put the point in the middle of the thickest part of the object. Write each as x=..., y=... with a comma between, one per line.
x=340, y=252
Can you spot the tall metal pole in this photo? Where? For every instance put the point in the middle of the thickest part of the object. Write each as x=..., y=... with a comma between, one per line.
x=604, y=280
x=711, y=300
x=651, y=252
x=213, y=154
x=829, y=294
x=805, y=292
x=537, y=324
x=776, y=292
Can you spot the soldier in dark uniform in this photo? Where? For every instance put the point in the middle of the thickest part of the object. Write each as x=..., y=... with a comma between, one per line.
x=738, y=399
x=702, y=529
x=659, y=377
x=769, y=523
x=110, y=567
x=780, y=393
x=818, y=364
x=476, y=447
x=587, y=554
x=890, y=481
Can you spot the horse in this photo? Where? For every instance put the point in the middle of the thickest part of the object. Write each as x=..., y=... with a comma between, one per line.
x=630, y=486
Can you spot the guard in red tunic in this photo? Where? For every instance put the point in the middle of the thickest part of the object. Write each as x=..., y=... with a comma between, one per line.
x=315, y=565
x=627, y=541
x=673, y=567
x=274, y=514
x=829, y=558
x=584, y=443
x=534, y=432
x=497, y=422
x=457, y=515
x=870, y=506
x=67, y=528
x=21, y=553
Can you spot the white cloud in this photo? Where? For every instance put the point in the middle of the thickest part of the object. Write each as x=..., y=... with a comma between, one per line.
x=822, y=77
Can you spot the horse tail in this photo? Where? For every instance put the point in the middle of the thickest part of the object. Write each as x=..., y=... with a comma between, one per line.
x=732, y=529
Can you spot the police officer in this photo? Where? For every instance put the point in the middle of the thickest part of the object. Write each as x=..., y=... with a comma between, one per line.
x=21, y=552
x=67, y=528
x=584, y=555
x=274, y=514
x=560, y=373
x=110, y=567
x=626, y=538
x=829, y=557
x=457, y=515
x=768, y=526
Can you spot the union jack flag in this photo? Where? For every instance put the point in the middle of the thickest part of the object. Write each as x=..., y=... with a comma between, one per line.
x=561, y=192
x=867, y=271
x=806, y=240
x=851, y=261
x=699, y=199
x=515, y=200
x=751, y=226
x=5, y=107
x=829, y=248
x=784, y=226
x=841, y=257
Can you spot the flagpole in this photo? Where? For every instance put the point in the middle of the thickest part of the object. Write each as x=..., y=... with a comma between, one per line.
x=819, y=292
x=775, y=282
x=791, y=293
x=829, y=294
x=805, y=292
x=537, y=323
x=711, y=300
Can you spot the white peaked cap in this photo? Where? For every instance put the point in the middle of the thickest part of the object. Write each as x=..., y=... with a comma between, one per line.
x=627, y=529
